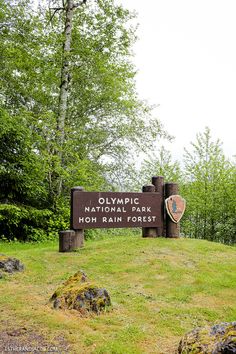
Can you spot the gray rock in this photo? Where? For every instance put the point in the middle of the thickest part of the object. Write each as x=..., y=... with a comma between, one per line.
x=10, y=265
x=218, y=339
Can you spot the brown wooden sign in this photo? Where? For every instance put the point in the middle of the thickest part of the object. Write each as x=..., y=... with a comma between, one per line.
x=115, y=210
x=175, y=206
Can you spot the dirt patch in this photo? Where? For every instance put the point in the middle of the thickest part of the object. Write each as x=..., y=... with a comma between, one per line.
x=24, y=340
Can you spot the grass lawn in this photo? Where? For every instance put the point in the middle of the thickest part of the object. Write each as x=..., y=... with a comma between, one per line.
x=160, y=289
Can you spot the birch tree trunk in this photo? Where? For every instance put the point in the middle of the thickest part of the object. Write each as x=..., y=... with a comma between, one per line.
x=63, y=97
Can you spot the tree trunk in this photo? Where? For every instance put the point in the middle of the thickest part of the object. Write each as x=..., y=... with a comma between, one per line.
x=65, y=75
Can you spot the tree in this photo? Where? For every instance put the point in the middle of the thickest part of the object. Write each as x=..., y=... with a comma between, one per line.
x=68, y=7
x=103, y=121
x=161, y=164
x=104, y=117
x=21, y=167
x=209, y=191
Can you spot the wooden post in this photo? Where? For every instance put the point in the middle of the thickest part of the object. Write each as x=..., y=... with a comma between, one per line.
x=158, y=182
x=149, y=231
x=67, y=241
x=70, y=240
x=172, y=228
x=79, y=234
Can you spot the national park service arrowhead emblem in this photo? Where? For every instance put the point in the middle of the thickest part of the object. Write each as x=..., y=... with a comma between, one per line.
x=175, y=206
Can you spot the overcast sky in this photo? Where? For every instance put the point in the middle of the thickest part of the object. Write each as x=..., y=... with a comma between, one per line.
x=186, y=61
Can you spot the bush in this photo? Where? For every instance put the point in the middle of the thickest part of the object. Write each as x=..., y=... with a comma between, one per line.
x=24, y=223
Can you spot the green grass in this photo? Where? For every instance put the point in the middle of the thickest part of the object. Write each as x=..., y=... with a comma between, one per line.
x=160, y=289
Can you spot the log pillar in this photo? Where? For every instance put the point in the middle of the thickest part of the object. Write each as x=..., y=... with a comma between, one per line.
x=158, y=182
x=149, y=231
x=68, y=242
x=172, y=228
x=79, y=234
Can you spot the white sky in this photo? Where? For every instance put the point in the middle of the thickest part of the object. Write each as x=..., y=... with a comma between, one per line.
x=186, y=61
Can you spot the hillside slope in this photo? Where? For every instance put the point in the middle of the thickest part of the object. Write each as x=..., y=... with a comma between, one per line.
x=160, y=289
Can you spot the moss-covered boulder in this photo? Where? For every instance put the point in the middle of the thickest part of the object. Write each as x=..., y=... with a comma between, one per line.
x=10, y=265
x=219, y=339
x=80, y=294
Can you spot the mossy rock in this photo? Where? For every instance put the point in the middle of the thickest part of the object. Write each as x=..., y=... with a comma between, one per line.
x=78, y=293
x=10, y=265
x=219, y=339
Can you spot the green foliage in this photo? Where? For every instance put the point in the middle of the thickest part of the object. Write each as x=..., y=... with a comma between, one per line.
x=105, y=120
x=106, y=127
x=21, y=166
x=161, y=164
x=210, y=192
x=23, y=223
x=206, y=180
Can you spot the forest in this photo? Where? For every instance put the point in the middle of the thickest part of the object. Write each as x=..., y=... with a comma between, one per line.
x=70, y=116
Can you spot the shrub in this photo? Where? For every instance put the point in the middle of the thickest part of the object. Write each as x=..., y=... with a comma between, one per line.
x=25, y=223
